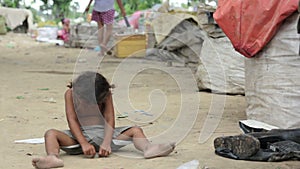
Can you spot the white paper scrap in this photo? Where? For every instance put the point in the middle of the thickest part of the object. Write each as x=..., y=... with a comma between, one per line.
x=31, y=141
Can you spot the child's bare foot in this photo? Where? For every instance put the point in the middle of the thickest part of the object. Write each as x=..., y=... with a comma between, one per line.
x=50, y=161
x=158, y=150
x=103, y=48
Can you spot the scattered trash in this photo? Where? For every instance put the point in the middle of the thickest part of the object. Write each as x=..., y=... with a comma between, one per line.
x=12, y=117
x=29, y=154
x=82, y=60
x=31, y=141
x=49, y=100
x=1, y=120
x=47, y=34
x=11, y=45
x=190, y=165
x=97, y=49
x=57, y=42
x=20, y=97
x=43, y=89
x=124, y=115
x=143, y=112
x=250, y=125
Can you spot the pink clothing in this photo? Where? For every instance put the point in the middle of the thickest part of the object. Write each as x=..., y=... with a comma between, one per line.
x=104, y=17
x=63, y=35
x=65, y=32
x=66, y=21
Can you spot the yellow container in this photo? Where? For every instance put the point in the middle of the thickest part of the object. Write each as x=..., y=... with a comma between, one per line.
x=130, y=45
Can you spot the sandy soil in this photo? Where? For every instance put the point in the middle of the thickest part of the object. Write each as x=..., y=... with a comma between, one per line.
x=33, y=80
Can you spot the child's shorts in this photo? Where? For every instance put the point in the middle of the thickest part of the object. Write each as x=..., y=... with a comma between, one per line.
x=94, y=135
x=106, y=17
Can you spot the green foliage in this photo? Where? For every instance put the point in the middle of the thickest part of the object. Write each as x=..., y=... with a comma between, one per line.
x=36, y=17
x=11, y=3
x=132, y=6
x=59, y=8
x=184, y=6
x=63, y=8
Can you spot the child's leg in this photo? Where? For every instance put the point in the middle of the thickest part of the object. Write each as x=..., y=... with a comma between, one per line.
x=97, y=17
x=108, y=20
x=142, y=143
x=108, y=32
x=137, y=135
x=101, y=37
x=53, y=140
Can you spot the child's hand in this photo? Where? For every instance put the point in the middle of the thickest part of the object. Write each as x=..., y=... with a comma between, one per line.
x=104, y=150
x=88, y=150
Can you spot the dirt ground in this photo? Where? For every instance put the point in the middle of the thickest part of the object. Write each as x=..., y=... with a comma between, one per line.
x=33, y=80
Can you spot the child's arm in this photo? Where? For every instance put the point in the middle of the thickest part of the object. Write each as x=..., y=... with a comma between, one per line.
x=121, y=7
x=74, y=125
x=109, y=116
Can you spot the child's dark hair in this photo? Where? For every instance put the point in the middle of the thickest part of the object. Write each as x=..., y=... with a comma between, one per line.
x=91, y=86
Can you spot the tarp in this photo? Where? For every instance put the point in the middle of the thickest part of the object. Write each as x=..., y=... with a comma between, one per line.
x=251, y=24
x=207, y=22
x=217, y=66
x=182, y=45
x=165, y=23
x=15, y=17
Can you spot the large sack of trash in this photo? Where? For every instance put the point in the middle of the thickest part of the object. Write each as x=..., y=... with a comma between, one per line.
x=222, y=68
x=273, y=80
x=201, y=46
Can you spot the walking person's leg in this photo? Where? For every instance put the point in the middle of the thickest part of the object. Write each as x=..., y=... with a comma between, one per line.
x=97, y=17
x=108, y=33
x=108, y=20
x=101, y=37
